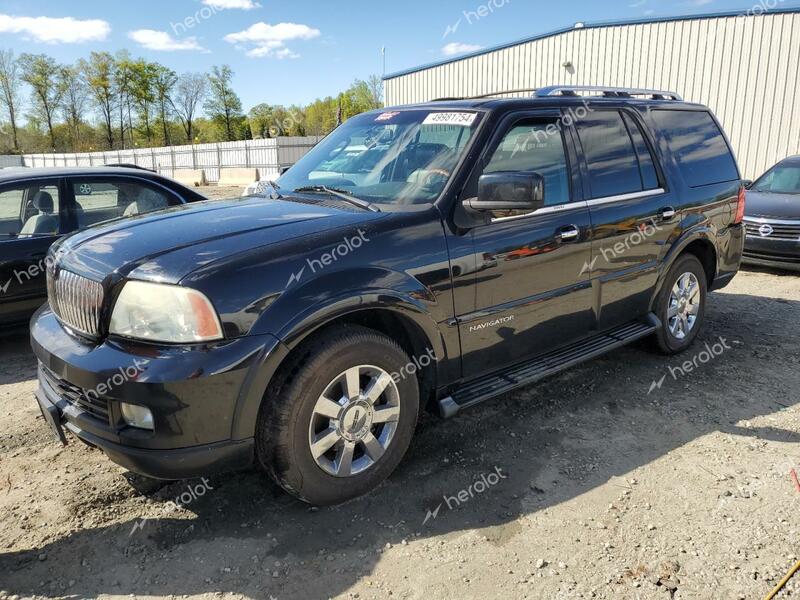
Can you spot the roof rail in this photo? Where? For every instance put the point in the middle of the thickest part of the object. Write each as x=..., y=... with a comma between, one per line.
x=608, y=92
x=489, y=95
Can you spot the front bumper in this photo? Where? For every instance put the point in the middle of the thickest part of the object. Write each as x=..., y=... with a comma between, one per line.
x=194, y=392
x=774, y=253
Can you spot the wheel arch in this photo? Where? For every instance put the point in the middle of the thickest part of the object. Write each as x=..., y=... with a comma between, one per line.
x=400, y=319
x=698, y=242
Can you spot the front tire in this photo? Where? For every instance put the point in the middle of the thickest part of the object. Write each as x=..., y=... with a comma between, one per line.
x=342, y=417
x=681, y=305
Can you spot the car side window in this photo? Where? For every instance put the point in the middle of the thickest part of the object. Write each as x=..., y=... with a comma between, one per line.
x=535, y=147
x=610, y=155
x=30, y=209
x=11, y=211
x=98, y=200
x=698, y=145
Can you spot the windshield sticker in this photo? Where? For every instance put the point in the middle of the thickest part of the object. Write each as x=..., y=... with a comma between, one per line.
x=387, y=116
x=451, y=118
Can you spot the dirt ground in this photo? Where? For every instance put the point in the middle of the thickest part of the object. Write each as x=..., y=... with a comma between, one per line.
x=587, y=485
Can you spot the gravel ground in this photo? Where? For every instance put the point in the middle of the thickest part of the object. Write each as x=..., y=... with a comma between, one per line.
x=587, y=485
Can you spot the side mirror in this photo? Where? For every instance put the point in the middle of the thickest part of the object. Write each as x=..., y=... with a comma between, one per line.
x=747, y=183
x=508, y=190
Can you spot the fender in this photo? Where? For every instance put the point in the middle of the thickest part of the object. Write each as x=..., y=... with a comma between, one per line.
x=699, y=232
x=410, y=300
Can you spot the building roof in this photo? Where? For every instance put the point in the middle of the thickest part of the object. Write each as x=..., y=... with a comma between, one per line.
x=594, y=25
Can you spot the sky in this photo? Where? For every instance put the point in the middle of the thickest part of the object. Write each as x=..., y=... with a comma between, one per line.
x=294, y=51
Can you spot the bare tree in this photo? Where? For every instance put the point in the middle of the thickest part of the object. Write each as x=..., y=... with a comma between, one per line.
x=10, y=97
x=44, y=75
x=190, y=91
x=75, y=100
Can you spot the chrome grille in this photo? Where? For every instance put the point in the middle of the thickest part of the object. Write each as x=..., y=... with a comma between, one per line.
x=77, y=301
x=773, y=230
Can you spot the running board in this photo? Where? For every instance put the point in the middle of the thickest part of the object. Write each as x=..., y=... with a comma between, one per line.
x=543, y=366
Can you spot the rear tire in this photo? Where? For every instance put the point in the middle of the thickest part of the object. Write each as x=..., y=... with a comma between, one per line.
x=341, y=417
x=681, y=305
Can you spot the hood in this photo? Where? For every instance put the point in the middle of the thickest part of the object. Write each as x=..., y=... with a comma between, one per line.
x=168, y=245
x=779, y=206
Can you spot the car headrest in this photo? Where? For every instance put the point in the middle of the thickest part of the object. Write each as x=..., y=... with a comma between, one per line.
x=43, y=202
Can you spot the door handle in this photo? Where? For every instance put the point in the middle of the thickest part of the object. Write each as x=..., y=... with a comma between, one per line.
x=569, y=233
x=666, y=213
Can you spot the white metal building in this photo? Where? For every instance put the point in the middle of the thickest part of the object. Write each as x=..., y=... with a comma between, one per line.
x=745, y=66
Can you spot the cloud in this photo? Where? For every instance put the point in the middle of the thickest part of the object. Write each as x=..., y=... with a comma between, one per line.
x=269, y=41
x=454, y=48
x=162, y=41
x=225, y=4
x=62, y=30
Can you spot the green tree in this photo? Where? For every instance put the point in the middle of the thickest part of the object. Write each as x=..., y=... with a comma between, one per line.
x=223, y=105
x=98, y=73
x=143, y=90
x=163, y=83
x=44, y=75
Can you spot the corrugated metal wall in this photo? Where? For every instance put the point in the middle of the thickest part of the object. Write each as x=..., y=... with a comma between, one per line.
x=744, y=67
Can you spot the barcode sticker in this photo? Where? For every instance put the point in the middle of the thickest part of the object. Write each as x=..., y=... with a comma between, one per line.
x=451, y=118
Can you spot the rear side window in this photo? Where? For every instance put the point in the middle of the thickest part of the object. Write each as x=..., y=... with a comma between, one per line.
x=610, y=154
x=698, y=145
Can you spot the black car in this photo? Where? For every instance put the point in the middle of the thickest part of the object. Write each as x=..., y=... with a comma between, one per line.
x=773, y=218
x=39, y=206
x=427, y=256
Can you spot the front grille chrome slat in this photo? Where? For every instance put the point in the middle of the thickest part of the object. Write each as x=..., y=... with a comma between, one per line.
x=776, y=230
x=76, y=301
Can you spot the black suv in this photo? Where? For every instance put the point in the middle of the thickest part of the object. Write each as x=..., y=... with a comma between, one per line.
x=435, y=255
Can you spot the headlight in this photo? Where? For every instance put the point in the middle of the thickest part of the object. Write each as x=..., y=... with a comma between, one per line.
x=157, y=312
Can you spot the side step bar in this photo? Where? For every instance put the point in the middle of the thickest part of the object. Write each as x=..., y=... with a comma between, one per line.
x=545, y=365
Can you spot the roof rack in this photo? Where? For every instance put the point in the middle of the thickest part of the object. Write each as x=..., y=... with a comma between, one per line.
x=607, y=92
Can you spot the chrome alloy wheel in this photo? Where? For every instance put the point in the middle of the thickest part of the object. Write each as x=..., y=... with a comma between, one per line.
x=354, y=421
x=684, y=306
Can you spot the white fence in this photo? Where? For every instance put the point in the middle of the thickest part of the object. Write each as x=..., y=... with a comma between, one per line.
x=10, y=161
x=266, y=155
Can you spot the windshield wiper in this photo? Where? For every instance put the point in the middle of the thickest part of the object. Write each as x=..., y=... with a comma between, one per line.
x=341, y=194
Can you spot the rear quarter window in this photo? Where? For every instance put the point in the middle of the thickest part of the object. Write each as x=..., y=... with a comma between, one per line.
x=698, y=145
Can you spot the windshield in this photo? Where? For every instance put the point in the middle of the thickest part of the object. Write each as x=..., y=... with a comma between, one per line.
x=783, y=179
x=396, y=157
